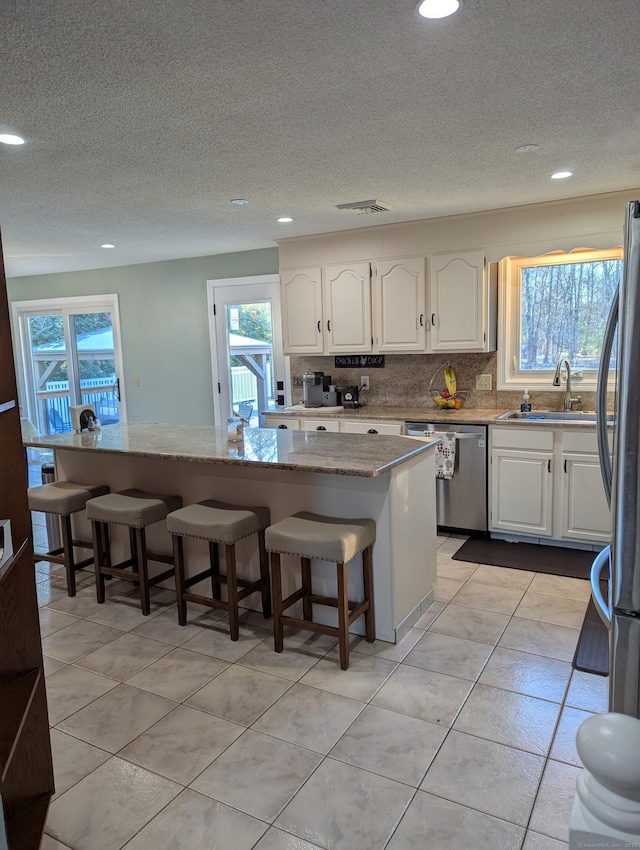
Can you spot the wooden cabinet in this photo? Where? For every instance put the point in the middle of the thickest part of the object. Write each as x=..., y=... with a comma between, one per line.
x=547, y=483
x=462, y=302
x=399, y=295
x=327, y=311
x=26, y=773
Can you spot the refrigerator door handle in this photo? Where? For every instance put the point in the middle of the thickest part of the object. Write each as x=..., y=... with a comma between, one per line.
x=602, y=560
x=601, y=396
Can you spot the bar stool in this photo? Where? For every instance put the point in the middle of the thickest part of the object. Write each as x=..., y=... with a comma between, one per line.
x=311, y=536
x=135, y=509
x=64, y=498
x=220, y=523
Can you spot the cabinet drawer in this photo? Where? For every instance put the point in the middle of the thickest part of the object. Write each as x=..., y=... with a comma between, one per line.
x=361, y=427
x=282, y=422
x=308, y=424
x=582, y=441
x=522, y=438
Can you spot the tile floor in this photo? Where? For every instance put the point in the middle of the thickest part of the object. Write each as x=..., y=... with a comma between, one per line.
x=460, y=736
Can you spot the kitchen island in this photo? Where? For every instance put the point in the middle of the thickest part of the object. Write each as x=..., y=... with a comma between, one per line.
x=389, y=479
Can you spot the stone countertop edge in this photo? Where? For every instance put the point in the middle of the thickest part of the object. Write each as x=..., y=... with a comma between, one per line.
x=262, y=448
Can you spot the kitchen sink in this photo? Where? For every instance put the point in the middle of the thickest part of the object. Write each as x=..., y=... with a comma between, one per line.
x=555, y=416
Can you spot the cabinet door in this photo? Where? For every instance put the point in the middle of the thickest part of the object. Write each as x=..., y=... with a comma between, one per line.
x=282, y=423
x=301, y=293
x=371, y=427
x=521, y=492
x=585, y=512
x=308, y=424
x=457, y=302
x=399, y=305
x=346, y=294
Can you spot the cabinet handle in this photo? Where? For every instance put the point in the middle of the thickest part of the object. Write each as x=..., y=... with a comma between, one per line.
x=433, y=319
x=329, y=325
x=565, y=464
x=319, y=327
x=320, y=428
x=282, y=426
x=372, y=431
x=549, y=465
x=421, y=320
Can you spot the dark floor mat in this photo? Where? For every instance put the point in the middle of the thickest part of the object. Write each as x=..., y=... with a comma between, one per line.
x=556, y=560
x=592, y=651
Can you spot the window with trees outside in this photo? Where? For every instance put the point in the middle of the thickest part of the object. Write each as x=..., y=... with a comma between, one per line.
x=552, y=307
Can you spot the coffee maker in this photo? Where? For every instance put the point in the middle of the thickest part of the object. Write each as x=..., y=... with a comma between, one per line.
x=318, y=391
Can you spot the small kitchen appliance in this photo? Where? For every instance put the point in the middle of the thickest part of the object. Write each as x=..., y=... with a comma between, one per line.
x=350, y=397
x=83, y=417
x=318, y=391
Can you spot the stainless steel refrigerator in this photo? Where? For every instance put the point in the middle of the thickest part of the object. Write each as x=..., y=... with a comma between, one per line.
x=621, y=476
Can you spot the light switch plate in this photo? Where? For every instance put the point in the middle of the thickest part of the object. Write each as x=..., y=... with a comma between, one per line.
x=484, y=381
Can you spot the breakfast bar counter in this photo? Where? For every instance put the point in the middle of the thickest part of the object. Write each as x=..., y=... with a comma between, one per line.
x=389, y=479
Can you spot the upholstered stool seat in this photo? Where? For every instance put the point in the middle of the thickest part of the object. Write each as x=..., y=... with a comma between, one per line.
x=135, y=509
x=219, y=523
x=64, y=498
x=312, y=536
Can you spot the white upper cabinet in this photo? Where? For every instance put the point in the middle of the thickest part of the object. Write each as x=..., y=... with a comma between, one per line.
x=346, y=300
x=399, y=294
x=461, y=303
x=302, y=321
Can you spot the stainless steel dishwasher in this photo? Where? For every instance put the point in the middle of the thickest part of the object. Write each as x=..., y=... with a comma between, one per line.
x=462, y=500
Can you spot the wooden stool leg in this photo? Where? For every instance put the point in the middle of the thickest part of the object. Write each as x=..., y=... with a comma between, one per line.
x=67, y=554
x=214, y=560
x=367, y=580
x=307, y=608
x=276, y=586
x=178, y=560
x=232, y=591
x=264, y=575
x=343, y=615
x=143, y=570
x=98, y=558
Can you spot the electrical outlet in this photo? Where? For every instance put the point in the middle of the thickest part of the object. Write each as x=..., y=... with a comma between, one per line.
x=136, y=380
x=364, y=382
x=484, y=381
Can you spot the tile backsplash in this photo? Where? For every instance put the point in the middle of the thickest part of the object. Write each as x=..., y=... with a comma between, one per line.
x=404, y=380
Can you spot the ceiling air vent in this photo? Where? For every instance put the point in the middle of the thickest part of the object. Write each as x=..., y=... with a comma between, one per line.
x=365, y=207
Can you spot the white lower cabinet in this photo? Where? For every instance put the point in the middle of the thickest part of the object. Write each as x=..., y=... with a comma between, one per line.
x=326, y=423
x=393, y=429
x=308, y=424
x=547, y=483
x=282, y=423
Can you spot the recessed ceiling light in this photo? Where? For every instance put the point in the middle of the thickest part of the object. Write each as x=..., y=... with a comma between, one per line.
x=438, y=8
x=527, y=148
x=107, y=245
x=560, y=175
x=240, y=202
x=11, y=139
x=284, y=219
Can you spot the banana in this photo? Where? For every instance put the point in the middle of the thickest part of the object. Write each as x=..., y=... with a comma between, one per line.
x=450, y=380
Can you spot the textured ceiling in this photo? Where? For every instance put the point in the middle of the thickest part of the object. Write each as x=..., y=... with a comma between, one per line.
x=146, y=117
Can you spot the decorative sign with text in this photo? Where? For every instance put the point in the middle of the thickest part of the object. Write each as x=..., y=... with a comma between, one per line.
x=371, y=361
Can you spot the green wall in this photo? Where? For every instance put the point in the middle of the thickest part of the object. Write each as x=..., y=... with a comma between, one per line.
x=165, y=330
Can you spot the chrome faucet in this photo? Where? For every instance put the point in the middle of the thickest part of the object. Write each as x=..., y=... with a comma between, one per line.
x=568, y=401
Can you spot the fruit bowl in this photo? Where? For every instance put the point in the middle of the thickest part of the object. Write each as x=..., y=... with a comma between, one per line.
x=454, y=402
x=443, y=389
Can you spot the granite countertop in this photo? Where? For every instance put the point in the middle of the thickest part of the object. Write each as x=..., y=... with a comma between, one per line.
x=304, y=451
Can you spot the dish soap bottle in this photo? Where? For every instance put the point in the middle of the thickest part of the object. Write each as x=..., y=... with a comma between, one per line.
x=525, y=407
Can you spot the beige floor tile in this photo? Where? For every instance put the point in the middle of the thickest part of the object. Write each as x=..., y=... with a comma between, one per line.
x=49, y=843
x=504, y=577
x=178, y=674
x=309, y=717
x=552, y=609
x=182, y=744
x=588, y=692
x=553, y=805
x=498, y=780
x=470, y=623
x=78, y=639
x=52, y=665
x=444, y=589
x=344, y=808
x=365, y=675
x=392, y=745
x=430, y=615
x=213, y=639
x=123, y=612
x=108, y=807
x=383, y=649
x=438, y=824
x=276, y=839
x=488, y=597
x=195, y=822
x=101, y=723
x=508, y=718
x=165, y=627
x=536, y=841
x=52, y=621
x=50, y=590
x=526, y=673
x=83, y=604
x=419, y=693
x=571, y=588
x=451, y=655
x=564, y=742
x=545, y=639
x=297, y=658
x=240, y=694
x=266, y=774
x=70, y=689
x=451, y=545
x=73, y=760
x=124, y=656
x=458, y=570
